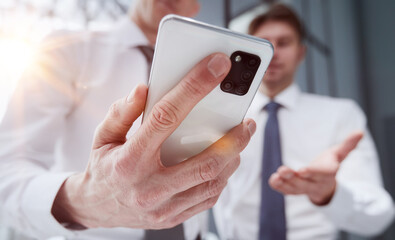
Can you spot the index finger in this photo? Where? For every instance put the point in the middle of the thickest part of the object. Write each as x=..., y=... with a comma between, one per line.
x=171, y=110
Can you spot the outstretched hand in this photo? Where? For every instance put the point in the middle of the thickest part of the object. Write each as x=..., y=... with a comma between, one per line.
x=318, y=179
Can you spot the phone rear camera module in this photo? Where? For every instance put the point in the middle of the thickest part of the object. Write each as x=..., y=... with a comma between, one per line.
x=246, y=76
x=242, y=89
x=252, y=62
x=242, y=73
x=227, y=86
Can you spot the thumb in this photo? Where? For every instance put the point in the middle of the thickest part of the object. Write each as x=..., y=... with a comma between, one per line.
x=349, y=144
x=120, y=118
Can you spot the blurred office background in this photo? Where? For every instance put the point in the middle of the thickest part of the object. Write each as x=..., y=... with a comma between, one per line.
x=351, y=53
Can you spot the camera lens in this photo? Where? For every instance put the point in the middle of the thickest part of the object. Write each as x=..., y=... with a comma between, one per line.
x=246, y=76
x=227, y=86
x=252, y=62
x=242, y=89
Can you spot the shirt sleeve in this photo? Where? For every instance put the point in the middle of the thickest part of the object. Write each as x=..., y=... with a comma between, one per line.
x=29, y=131
x=360, y=205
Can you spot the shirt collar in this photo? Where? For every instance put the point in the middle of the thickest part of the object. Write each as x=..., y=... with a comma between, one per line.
x=129, y=34
x=287, y=98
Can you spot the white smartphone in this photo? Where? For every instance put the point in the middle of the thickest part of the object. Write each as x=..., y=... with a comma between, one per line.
x=180, y=45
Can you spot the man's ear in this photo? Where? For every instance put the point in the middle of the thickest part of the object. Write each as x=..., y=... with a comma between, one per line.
x=302, y=52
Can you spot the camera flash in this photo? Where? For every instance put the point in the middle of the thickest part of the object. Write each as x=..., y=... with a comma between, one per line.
x=238, y=58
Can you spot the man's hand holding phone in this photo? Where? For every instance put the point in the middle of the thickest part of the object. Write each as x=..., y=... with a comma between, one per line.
x=125, y=183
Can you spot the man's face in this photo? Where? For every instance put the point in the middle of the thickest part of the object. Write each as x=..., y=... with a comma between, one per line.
x=288, y=52
x=155, y=10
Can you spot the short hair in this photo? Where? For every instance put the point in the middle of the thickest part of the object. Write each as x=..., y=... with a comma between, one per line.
x=279, y=12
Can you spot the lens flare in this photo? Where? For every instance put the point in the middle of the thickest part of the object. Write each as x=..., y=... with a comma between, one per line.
x=15, y=55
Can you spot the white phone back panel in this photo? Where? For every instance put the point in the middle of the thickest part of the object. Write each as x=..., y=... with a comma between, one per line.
x=181, y=44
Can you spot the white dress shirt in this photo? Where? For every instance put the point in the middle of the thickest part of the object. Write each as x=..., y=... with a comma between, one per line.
x=309, y=124
x=47, y=131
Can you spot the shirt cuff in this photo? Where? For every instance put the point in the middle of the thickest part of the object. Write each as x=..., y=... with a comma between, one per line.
x=37, y=202
x=340, y=208
x=363, y=209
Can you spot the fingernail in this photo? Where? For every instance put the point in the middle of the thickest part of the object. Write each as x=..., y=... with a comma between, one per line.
x=251, y=127
x=218, y=65
x=131, y=95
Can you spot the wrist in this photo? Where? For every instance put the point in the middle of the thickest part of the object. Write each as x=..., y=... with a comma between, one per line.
x=66, y=208
x=325, y=197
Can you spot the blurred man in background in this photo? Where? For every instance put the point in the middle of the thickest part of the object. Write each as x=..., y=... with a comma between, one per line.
x=295, y=181
x=55, y=182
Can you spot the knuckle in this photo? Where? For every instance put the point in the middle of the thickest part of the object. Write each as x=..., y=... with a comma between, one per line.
x=151, y=198
x=242, y=140
x=115, y=114
x=114, y=110
x=120, y=167
x=142, y=201
x=136, y=148
x=164, y=115
x=156, y=217
x=215, y=187
x=192, y=87
x=211, y=202
x=210, y=169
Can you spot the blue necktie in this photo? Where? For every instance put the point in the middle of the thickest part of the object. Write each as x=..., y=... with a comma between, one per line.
x=272, y=211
